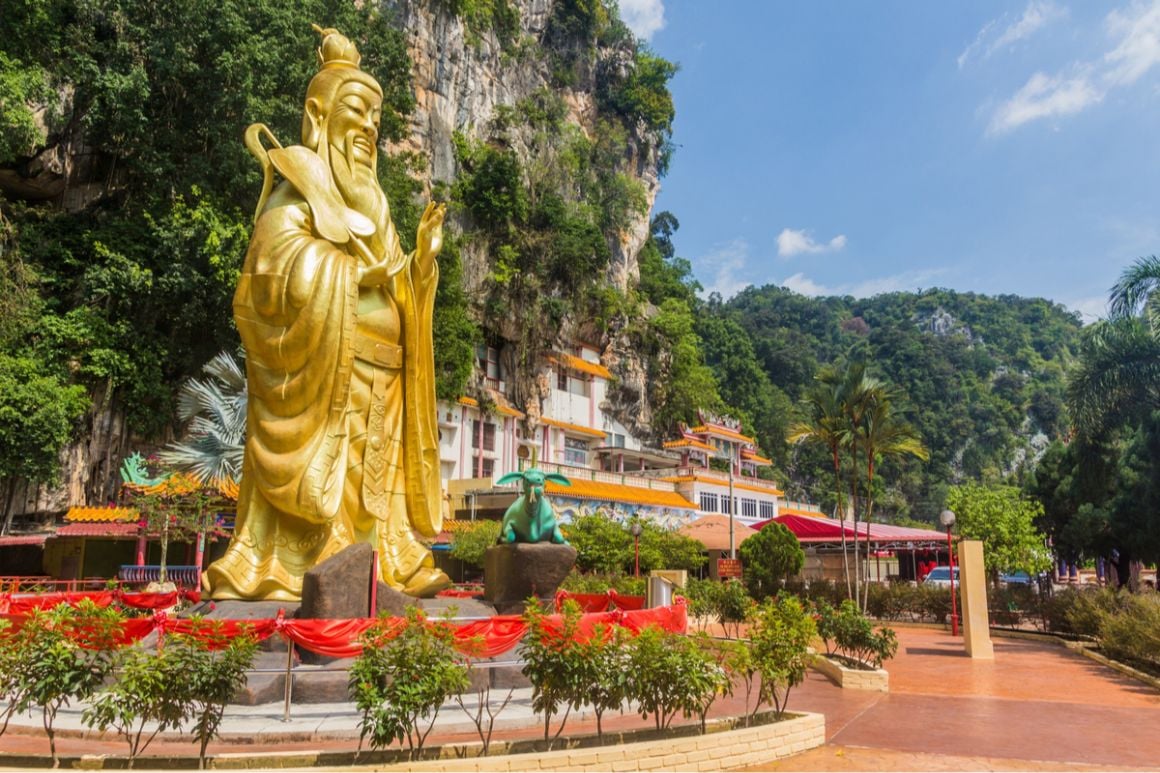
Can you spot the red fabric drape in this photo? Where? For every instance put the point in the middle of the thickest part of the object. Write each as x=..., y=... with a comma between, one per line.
x=334, y=638
x=600, y=602
x=342, y=638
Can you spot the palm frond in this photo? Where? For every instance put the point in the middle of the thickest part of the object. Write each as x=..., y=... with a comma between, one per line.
x=215, y=409
x=1138, y=282
x=1118, y=375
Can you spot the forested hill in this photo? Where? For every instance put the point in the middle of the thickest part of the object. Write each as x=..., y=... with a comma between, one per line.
x=984, y=377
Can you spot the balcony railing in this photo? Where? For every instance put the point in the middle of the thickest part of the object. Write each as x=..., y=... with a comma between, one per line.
x=598, y=476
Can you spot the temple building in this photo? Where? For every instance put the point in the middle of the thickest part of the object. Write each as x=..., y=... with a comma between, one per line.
x=711, y=468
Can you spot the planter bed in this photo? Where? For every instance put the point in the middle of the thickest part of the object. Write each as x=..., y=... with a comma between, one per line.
x=847, y=677
x=724, y=745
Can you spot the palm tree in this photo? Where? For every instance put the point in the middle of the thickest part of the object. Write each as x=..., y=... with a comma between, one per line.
x=826, y=425
x=1119, y=364
x=857, y=392
x=882, y=434
x=215, y=408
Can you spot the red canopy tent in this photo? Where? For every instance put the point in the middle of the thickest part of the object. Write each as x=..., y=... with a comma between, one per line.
x=818, y=530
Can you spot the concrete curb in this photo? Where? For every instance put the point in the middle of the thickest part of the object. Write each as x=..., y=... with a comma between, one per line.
x=877, y=680
x=722, y=746
x=1126, y=670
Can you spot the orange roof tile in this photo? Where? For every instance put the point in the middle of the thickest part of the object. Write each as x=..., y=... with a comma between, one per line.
x=756, y=458
x=616, y=492
x=102, y=515
x=470, y=402
x=689, y=443
x=721, y=432
x=580, y=364
x=577, y=428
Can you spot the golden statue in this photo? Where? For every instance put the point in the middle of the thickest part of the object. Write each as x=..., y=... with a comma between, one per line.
x=342, y=443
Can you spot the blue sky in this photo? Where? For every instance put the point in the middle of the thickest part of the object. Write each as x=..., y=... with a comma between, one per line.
x=863, y=147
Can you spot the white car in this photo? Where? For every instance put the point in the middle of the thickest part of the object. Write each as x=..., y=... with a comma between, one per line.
x=940, y=577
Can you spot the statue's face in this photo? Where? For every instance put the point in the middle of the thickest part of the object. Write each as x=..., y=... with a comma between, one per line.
x=353, y=127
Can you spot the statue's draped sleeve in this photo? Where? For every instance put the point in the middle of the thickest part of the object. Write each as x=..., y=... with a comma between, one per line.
x=294, y=308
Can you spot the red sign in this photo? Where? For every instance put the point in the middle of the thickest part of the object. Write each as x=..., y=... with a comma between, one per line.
x=728, y=567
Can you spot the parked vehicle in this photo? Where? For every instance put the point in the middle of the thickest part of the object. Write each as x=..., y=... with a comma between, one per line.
x=1016, y=578
x=940, y=577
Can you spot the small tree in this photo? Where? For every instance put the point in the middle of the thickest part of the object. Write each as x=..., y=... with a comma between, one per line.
x=673, y=673
x=147, y=693
x=212, y=667
x=556, y=662
x=736, y=657
x=177, y=508
x=404, y=676
x=58, y=656
x=848, y=631
x=483, y=716
x=780, y=632
x=733, y=606
x=770, y=557
x=610, y=672
x=1005, y=521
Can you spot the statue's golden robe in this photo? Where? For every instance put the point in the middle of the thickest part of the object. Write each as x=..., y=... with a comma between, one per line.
x=342, y=443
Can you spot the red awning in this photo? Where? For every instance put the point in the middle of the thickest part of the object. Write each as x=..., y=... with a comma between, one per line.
x=814, y=530
x=24, y=539
x=98, y=530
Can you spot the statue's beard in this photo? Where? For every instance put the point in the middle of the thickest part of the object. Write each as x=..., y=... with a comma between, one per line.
x=358, y=185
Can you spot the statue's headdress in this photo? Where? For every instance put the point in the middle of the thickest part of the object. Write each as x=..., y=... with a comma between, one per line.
x=336, y=50
x=338, y=63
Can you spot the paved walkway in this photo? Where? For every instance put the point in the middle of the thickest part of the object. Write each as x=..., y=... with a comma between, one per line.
x=1037, y=706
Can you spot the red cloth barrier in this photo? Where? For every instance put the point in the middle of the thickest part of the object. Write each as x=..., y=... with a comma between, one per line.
x=148, y=600
x=333, y=638
x=342, y=638
x=488, y=638
x=600, y=602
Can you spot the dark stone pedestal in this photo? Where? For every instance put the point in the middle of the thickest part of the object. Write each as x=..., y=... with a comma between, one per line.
x=513, y=573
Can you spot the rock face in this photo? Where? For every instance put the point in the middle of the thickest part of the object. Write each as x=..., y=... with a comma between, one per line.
x=462, y=79
x=513, y=573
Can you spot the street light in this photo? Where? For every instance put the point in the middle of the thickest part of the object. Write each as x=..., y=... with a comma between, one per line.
x=636, y=529
x=947, y=519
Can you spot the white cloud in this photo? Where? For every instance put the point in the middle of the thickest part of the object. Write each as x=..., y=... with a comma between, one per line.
x=791, y=242
x=909, y=280
x=1037, y=14
x=1044, y=96
x=1136, y=50
x=643, y=17
x=1139, y=49
x=727, y=262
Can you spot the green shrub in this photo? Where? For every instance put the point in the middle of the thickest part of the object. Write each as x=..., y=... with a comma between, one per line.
x=402, y=678
x=673, y=673
x=470, y=545
x=780, y=632
x=1132, y=633
x=770, y=557
x=556, y=663
x=56, y=657
x=847, y=631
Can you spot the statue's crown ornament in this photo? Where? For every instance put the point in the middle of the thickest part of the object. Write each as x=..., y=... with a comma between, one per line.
x=337, y=50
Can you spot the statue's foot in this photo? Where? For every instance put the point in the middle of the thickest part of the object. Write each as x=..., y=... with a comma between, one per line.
x=426, y=582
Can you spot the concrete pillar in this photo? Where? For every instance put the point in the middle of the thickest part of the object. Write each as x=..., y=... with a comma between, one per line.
x=973, y=582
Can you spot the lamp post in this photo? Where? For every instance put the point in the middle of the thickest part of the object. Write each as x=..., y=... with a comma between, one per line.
x=636, y=529
x=947, y=519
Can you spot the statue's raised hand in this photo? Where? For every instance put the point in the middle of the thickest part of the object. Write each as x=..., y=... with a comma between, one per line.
x=430, y=237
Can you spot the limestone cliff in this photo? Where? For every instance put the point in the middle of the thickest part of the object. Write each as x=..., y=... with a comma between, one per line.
x=464, y=80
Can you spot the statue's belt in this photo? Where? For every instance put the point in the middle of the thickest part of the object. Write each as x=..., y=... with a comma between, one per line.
x=378, y=353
